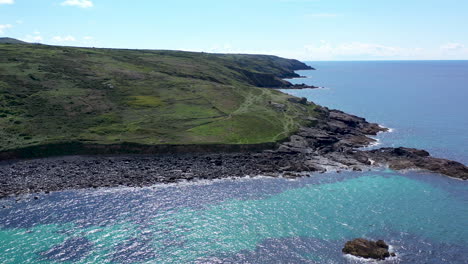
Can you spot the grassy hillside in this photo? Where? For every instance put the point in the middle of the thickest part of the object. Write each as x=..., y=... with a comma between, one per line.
x=12, y=41
x=51, y=94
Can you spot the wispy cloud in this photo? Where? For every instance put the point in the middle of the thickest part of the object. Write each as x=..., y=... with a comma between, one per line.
x=68, y=38
x=7, y=2
x=452, y=46
x=4, y=27
x=353, y=48
x=33, y=38
x=324, y=50
x=78, y=3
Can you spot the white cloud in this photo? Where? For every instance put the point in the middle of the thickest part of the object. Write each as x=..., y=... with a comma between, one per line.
x=325, y=50
x=88, y=41
x=452, y=46
x=7, y=2
x=371, y=51
x=64, y=39
x=33, y=38
x=3, y=27
x=78, y=3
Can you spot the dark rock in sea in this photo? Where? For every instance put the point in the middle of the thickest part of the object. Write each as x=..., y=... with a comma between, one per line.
x=331, y=141
x=364, y=248
x=408, y=158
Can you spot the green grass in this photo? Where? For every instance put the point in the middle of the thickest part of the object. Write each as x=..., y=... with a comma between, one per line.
x=145, y=101
x=51, y=94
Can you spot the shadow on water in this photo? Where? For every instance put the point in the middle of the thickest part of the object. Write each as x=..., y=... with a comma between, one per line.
x=101, y=207
x=259, y=220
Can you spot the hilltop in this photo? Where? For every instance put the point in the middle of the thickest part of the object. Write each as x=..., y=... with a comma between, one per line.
x=53, y=94
x=11, y=41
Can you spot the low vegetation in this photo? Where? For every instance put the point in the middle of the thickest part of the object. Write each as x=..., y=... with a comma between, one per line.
x=51, y=94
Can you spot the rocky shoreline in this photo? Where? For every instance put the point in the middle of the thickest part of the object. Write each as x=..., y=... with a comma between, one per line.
x=302, y=86
x=331, y=143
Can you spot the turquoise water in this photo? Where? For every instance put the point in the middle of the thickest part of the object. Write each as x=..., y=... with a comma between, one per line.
x=262, y=220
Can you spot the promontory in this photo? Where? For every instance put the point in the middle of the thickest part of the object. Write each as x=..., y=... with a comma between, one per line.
x=187, y=115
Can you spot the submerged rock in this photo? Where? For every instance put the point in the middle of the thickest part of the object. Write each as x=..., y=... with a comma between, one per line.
x=364, y=248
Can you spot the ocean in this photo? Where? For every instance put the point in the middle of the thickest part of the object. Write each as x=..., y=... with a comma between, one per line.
x=423, y=216
x=425, y=103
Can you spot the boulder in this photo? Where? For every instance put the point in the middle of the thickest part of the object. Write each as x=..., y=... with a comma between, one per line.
x=364, y=248
x=296, y=100
x=278, y=106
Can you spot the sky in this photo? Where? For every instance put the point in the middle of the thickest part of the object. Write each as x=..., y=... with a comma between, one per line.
x=308, y=30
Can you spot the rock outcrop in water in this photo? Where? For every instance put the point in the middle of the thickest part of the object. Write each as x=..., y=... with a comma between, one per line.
x=408, y=158
x=361, y=247
x=334, y=144
x=103, y=118
x=331, y=143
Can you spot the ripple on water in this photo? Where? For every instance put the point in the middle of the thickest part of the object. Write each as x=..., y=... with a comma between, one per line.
x=423, y=216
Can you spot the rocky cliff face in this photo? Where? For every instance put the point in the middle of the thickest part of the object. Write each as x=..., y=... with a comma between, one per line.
x=328, y=139
x=334, y=143
x=331, y=142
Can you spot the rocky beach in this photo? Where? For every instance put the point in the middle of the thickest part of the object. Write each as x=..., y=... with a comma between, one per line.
x=98, y=135
x=204, y=132
x=332, y=143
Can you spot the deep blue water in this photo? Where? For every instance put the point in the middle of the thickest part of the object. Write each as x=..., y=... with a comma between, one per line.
x=425, y=102
x=422, y=216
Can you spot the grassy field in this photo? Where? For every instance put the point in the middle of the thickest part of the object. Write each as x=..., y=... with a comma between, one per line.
x=51, y=94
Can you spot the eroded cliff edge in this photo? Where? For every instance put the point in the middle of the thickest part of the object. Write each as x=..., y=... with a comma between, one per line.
x=194, y=115
x=335, y=142
x=331, y=143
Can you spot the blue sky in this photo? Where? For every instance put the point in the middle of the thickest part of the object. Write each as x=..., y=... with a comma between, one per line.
x=302, y=29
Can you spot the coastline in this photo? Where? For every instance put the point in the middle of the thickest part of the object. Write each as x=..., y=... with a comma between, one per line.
x=330, y=140
x=333, y=143
x=300, y=86
x=80, y=148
